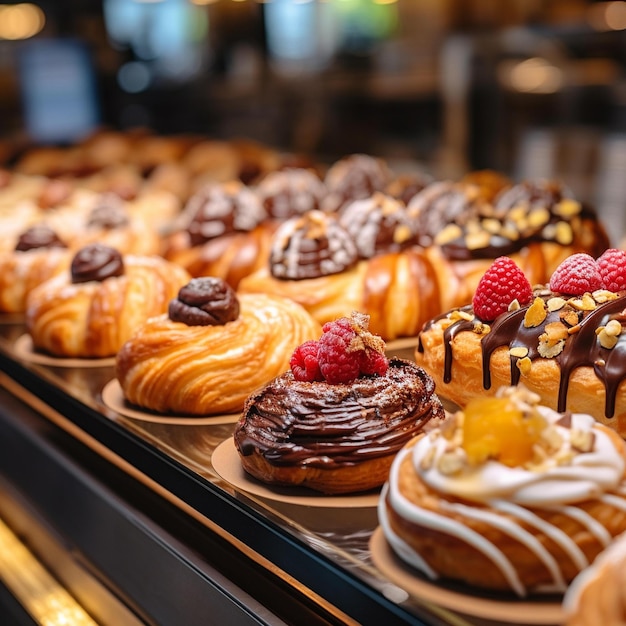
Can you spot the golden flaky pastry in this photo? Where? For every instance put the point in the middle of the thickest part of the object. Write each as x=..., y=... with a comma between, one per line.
x=89, y=312
x=173, y=367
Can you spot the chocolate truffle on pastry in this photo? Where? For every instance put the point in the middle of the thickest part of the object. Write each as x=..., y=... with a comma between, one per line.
x=39, y=255
x=335, y=429
x=91, y=309
x=507, y=495
x=597, y=594
x=315, y=261
x=211, y=350
x=566, y=347
x=290, y=191
x=223, y=232
x=354, y=177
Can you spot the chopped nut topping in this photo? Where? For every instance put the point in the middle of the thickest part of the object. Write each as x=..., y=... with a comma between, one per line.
x=491, y=225
x=535, y=314
x=574, y=329
x=448, y=234
x=603, y=295
x=551, y=440
x=564, y=234
x=429, y=457
x=606, y=341
x=402, y=233
x=519, y=351
x=524, y=364
x=480, y=328
x=556, y=303
x=582, y=440
x=613, y=328
x=586, y=303
x=538, y=217
x=514, y=305
x=549, y=350
x=569, y=316
x=452, y=462
x=458, y=314
x=476, y=241
x=567, y=208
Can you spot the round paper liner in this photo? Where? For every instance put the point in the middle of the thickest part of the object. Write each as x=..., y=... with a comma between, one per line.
x=23, y=348
x=113, y=397
x=508, y=611
x=227, y=464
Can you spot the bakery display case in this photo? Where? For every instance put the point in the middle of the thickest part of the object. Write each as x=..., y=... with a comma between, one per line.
x=158, y=515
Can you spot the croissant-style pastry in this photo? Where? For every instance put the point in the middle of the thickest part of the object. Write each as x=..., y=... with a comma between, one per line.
x=92, y=309
x=510, y=496
x=177, y=366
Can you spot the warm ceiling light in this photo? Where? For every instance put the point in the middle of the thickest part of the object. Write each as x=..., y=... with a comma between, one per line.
x=202, y=3
x=535, y=75
x=605, y=16
x=20, y=21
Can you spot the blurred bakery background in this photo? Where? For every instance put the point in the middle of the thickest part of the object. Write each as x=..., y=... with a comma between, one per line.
x=531, y=88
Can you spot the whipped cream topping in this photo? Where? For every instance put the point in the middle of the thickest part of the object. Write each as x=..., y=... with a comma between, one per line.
x=565, y=476
x=511, y=499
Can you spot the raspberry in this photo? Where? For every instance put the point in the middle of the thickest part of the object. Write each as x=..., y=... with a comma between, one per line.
x=347, y=349
x=338, y=363
x=373, y=363
x=612, y=267
x=502, y=283
x=304, y=363
x=576, y=275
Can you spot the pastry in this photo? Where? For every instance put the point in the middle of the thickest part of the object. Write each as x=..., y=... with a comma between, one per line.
x=211, y=350
x=39, y=255
x=91, y=309
x=222, y=232
x=597, y=594
x=364, y=262
x=507, y=495
x=336, y=419
x=564, y=340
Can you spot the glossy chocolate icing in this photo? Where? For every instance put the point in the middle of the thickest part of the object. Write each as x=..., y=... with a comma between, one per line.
x=38, y=236
x=581, y=348
x=96, y=262
x=222, y=209
x=322, y=425
x=205, y=301
x=310, y=246
x=289, y=192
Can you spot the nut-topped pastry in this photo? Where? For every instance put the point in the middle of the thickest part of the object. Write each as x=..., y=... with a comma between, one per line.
x=39, y=254
x=94, y=306
x=507, y=495
x=211, y=350
x=378, y=224
x=336, y=419
x=564, y=341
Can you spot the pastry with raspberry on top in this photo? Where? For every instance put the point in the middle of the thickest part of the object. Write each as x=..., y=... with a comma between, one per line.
x=564, y=341
x=335, y=420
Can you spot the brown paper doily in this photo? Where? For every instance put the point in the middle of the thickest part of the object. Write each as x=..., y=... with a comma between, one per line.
x=507, y=611
x=226, y=463
x=113, y=397
x=23, y=348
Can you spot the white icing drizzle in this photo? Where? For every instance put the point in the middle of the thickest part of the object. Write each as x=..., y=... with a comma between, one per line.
x=503, y=494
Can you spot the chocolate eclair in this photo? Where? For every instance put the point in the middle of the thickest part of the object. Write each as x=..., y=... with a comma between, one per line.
x=334, y=437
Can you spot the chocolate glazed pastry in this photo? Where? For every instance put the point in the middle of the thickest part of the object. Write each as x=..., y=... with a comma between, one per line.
x=334, y=438
x=39, y=255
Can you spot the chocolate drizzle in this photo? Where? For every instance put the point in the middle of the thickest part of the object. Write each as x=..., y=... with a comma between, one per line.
x=205, y=301
x=96, y=262
x=581, y=349
x=322, y=425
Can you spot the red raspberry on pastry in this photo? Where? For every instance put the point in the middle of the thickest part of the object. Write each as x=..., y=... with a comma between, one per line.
x=502, y=283
x=304, y=363
x=576, y=275
x=612, y=268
